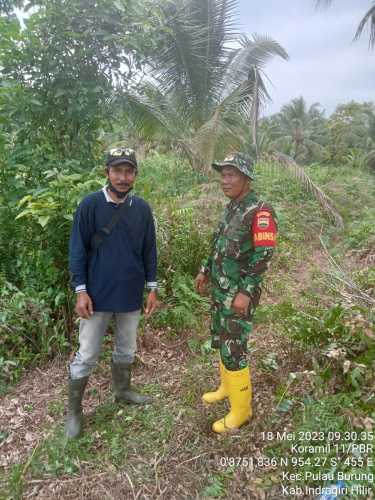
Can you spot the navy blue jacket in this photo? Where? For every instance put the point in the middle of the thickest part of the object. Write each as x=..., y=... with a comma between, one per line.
x=115, y=273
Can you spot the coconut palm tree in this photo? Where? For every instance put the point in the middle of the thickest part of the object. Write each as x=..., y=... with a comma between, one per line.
x=204, y=91
x=368, y=19
x=204, y=83
x=299, y=131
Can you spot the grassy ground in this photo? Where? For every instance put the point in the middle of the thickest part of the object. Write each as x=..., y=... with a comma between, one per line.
x=299, y=351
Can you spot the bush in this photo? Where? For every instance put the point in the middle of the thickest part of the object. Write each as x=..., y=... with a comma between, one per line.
x=362, y=232
x=31, y=329
x=324, y=425
x=183, y=243
x=343, y=344
x=182, y=307
x=338, y=326
x=36, y=322
x=164, y=176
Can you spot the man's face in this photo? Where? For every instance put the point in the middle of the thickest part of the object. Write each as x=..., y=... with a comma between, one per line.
x=121, y=177
x=234, y=183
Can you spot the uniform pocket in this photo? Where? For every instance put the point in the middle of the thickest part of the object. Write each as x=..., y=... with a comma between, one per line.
x=233, y=248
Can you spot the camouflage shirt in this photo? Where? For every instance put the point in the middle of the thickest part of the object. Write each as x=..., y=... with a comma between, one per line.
x=242, y=247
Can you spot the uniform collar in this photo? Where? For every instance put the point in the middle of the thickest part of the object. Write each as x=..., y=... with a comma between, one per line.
x=250, y=198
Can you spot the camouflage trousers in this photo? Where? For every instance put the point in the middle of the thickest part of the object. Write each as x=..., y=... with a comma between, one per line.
x=230, y=332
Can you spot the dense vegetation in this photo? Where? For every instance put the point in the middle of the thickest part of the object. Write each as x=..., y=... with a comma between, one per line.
x=72, y=84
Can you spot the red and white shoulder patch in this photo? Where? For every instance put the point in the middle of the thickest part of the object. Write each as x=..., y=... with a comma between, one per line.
x=263, y=229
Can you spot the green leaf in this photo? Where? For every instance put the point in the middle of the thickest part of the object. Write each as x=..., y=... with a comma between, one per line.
x=36, y=102
x=25, y=199
x=43, y=220
x=119, y=5
x=285, y=405
x=24, y=213
x=206, y=347
x=214, y=490
x=60, y=93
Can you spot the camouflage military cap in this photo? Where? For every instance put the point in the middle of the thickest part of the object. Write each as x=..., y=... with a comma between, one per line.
x=238, y=160
x=120, y=155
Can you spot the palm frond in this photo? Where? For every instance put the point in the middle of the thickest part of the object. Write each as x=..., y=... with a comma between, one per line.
x=369, y=18
x=256, y=52
x=196, y=51
x=254, y=109
x=154, y=115
x=224, y=129
x=244, y=71
x=204, y=141
x=256, y=90
x=347, y=288
x=323, y=3
x=258, y=95
x=203, y=94
x=300, y=175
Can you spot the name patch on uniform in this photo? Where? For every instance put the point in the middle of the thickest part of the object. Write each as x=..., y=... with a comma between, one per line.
x=264, y=236
x=264, y=229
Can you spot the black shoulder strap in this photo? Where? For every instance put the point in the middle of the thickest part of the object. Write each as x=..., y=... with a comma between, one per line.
x=105, y=231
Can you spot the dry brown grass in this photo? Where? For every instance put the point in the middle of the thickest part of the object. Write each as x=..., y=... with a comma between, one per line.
x=190, y=458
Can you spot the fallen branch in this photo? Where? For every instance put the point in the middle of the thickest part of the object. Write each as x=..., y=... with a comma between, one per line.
x=298, y=173
x=193, y=458
x=353, y=291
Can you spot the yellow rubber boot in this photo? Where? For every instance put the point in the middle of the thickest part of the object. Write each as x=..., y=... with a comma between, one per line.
x=221, y=392
x=239, y=390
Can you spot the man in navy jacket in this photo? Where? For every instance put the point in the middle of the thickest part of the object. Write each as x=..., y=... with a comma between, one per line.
x=109, y=273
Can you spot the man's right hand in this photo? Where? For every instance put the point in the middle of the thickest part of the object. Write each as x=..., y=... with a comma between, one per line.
x=84, y=307
x=200, y=283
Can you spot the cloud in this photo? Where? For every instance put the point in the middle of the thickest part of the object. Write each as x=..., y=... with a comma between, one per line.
x=325, y=66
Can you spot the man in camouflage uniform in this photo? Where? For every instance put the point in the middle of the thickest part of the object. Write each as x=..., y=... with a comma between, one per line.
x=242, y=247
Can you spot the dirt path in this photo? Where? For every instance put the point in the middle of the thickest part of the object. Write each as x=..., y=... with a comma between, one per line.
x=24, y=413
x=33, y=409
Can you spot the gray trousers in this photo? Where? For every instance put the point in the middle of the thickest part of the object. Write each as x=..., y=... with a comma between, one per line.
x=91, y=334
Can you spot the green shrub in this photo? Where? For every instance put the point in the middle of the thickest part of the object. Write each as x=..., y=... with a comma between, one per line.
x=362, y=232
x=31, y=329
x=337, y=326
x=182, y=241
x=324, y=425
x=365, y=279
x=164, y=176
x=36, y=322
x=317, y=328
x=181, y=307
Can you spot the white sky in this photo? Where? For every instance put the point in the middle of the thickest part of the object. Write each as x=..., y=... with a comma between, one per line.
x=324, y=66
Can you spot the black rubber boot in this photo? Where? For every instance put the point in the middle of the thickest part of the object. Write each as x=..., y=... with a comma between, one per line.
x=121, y=377
x=73, y=426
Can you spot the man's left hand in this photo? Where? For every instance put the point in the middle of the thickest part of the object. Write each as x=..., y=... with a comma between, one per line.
x=151, y=303
x=241, y=304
